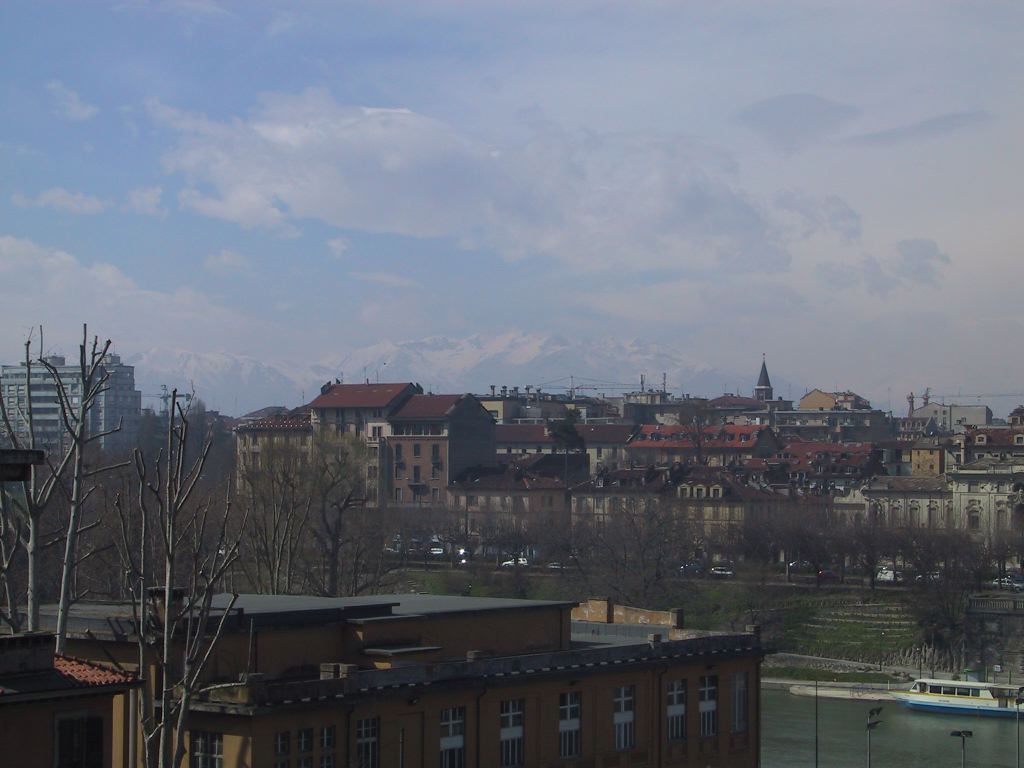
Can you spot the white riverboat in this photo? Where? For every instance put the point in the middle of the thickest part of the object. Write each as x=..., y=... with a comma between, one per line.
x=959, y=697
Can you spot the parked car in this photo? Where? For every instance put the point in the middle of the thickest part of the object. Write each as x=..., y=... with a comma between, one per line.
x=436, y=552
x=1005, y=582
x=886, y=575
x=930, y=576
x=721, y=572
x=801, y=566
x=555, y=567
x=516, y=562
x=828, y=577
x=692, y=568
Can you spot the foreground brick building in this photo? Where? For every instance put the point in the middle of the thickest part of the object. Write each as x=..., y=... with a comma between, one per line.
x=421, y=680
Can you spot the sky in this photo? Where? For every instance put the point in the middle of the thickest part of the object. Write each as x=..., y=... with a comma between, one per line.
x=834, y=184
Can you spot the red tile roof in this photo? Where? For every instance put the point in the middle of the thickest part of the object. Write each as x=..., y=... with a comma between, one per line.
x=84, y=674
x=427, y=406
x=362, y=395
x=680, y=437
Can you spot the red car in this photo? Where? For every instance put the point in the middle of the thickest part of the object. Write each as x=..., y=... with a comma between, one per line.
x=828, y=577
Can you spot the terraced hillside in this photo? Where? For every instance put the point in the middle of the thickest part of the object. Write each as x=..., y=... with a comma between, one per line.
x=848, y=629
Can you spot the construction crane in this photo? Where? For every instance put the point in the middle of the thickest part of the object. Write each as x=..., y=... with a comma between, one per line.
x=594, y=385
x=165, y=398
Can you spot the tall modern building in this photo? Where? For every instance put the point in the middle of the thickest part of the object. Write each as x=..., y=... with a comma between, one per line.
x=119, y=403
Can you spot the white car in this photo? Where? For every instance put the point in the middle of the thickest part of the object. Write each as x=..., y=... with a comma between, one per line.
x=516, y=562
x=887, y=575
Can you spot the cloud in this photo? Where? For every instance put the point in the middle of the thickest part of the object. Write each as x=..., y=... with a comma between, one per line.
x=916, y=263
x=337, y=246
x=814, y=214
x=68, y=104
x=46, y=285
x=795, y=121
x=933, y=127
x=591, y=200
x=145, y=200
x=59, y=199
x=281, y=23
x=226, y=260
x=919, y=260
x=384, y=278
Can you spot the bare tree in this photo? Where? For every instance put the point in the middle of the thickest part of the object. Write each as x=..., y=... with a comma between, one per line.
x=178, y=627
x=24, y=513
x=75, y=413
x=278, y=499
x=635, y=550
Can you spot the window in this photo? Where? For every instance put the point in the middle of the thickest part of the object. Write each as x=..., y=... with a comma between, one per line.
x=207, y=750
x=416, y=450
x=378, y=431
x=435, y=452
x=435, y=470
x=367, y=740
x=622, y=717
x=740, y=706
x=974, y=521
x=453, y=740
x=416, y=473
x=304, y=739
x=327, y=737
x=569, y=724
x=306, y=761
x=709, y=705
x=398, y=494
x=600, y=452
x=282, y=743
x=398, y=452
x=326, y=761
x=675, y=710
x=512, y=732
x=80, y=742
x=435, y=494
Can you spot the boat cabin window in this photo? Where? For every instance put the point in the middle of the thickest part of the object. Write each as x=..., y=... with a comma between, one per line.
x=920, y=688
x=963, y=691
x=975, y=692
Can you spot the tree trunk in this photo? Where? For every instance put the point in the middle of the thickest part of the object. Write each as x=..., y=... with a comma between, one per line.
x=70, y=543
x=32, y=588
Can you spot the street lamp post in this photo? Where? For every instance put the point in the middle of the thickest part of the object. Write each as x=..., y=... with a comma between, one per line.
x=881, y=644
x=964, y=736
x=872, y=724
x=1016, y=703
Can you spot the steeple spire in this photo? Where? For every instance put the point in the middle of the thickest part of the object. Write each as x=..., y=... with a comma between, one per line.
x=763, y=390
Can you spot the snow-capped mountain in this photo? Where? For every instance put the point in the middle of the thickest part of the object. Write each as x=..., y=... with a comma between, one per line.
x=237, y=384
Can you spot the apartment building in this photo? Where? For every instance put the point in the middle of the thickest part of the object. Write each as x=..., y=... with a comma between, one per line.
x=58, y=710
x=116, y=410
x=432, y=440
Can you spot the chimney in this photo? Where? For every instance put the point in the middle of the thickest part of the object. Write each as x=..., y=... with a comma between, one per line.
x=515, y=391
x=492, y=390
x=504, y=391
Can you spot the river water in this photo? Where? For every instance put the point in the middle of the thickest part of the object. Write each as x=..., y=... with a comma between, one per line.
x=905, y=739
